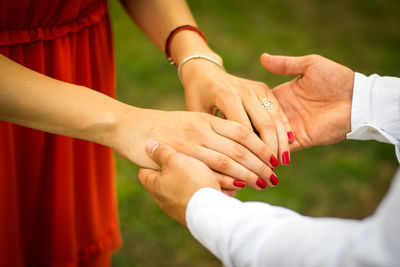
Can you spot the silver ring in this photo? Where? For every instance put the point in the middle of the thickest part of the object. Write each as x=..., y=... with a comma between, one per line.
x=267, y=104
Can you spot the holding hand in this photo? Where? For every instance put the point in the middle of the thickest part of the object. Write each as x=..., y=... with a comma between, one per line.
x=227, y=147
x=208, y=88
x=318, y=101
x=181, y=176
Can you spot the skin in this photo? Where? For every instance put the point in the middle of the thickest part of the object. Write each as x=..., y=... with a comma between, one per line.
x=318, y=101
x=208, y=88
x=230, y=148
x=28, y=98
x=181, y=176
x=318, y=105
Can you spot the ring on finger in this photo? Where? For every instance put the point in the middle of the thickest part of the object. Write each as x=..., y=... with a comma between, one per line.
x=267, y=104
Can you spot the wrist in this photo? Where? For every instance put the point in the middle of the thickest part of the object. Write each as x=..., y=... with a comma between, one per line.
x=198, y=68
x=103, y=126
x=130, y=124
x=132, y=130
x=187, y=43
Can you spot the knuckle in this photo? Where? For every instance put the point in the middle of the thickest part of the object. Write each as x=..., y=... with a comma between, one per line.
x=263, y=86
x=172, y=159
x=239, y=152
x=223, y=163
x=283, y=68
x=191, y=130
x=242, y=132
x=227, y=96
x=313, y=57
x=268, y=124
x=263, y=169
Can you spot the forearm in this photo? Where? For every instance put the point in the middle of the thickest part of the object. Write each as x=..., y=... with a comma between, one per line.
x=157, y=18
x=34, y=100
x=256, y=234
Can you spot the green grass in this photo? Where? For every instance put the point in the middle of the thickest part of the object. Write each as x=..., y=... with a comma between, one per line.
x=344, y=180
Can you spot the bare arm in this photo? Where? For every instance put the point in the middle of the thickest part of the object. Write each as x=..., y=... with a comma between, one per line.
x=157, y=18
x=34, y=100
x=209, y=88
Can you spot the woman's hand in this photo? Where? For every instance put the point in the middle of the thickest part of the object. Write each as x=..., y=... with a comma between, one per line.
x=208, y=88
x=317, y=102
x=227, y=147
x=181, y=176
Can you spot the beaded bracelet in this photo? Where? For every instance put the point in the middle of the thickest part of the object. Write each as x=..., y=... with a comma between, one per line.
x=197, y=57
x=173, y=33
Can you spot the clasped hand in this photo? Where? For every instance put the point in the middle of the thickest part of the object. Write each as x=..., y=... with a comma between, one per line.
x=317, y=103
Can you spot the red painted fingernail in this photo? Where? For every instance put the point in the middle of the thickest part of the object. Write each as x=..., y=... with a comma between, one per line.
x=273, y=161
x=285, y=158
x=290, y=136
x=261, y=183
x=274, y=180
x=239, y=183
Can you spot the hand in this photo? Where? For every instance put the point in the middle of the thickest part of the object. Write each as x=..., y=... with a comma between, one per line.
x=208, y=88
x=317, y=102
x=227, y=147
x=181, y=176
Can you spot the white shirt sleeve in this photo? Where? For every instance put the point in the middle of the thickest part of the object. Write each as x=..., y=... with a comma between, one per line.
x=258, y=234
x=375, y=112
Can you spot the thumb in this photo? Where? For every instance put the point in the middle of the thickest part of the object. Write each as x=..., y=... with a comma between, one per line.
x=282, y=65
x=160, y=153
x=148, y=178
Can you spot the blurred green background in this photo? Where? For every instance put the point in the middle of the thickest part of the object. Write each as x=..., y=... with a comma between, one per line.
x=344, y=180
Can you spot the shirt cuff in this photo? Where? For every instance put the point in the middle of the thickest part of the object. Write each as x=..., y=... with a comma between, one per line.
x=375, y=112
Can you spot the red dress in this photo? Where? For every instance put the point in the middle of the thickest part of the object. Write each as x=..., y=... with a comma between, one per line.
x=57, y=194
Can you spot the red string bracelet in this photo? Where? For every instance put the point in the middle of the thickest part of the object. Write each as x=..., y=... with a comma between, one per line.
x=173, y=33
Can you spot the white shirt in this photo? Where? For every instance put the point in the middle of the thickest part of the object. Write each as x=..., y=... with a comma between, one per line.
x=259, y=234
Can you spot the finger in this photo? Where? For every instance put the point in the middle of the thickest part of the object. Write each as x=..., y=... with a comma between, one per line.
x=290, y=133
x=271, y=128
x=160, y=153
x=263, y=122
x=284, y=134
x=148, y=178
x=229, y=193
x=295, y=145
x=233, y=110
x=227, y=182
x=283, y=65
x=240, y=154
x=245, y=137
x=227, y=166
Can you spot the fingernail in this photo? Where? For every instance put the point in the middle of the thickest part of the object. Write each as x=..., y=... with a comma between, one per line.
x=239, y=183
x=151, y=146
x=273, y=161
x=261, y=183
x=274, y=180
x=290, y=136
x=285, y=158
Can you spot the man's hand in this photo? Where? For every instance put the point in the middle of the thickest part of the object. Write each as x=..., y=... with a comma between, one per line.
x=208, y=88
x=181, y=176
x=318, y=101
